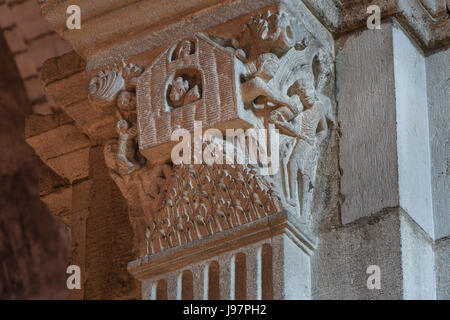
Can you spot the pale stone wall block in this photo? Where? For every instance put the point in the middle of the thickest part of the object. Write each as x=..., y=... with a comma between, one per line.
x=438, y=89
x=340, y=263
x=442, y=253
x=366, y=113
x=419, y=280
x=412, y=131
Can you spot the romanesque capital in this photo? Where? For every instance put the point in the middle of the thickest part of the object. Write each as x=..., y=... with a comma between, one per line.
x=269, y=84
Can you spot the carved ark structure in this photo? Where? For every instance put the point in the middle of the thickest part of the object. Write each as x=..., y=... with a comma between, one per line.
x=248, y=229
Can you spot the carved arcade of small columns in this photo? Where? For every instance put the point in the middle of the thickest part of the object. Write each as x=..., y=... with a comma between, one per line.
x=243, y=274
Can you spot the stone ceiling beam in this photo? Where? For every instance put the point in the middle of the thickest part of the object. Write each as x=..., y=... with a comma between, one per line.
x=113, y=29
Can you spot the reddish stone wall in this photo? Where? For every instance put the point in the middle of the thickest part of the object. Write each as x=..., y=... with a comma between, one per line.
x=34, y=246
x=109, y=237
x=32, y=41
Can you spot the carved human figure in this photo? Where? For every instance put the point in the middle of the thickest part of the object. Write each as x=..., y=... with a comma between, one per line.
x=126, y=105
x=182, y=93
x=126, y=100
x=185, y=49
x=309, y=129
x=127, y=148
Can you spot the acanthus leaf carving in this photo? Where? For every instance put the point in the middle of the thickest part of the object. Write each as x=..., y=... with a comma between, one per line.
x=181, y=203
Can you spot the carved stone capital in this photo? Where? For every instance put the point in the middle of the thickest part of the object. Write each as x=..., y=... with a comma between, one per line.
x=271, y=74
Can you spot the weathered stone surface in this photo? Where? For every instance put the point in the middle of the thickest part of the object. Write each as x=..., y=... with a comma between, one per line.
x=30, y=38
x=147, y=15
x=49, y=143
x=438, y=94
x=72, y=166
x=61, y=67
x=29, y=19
x=6, y=18
x=412, y=131
x=344, y=254
x=69, y=90
x=442, y=252
x=49, y=181
x=25, y=65
x=70, y=162
x=34, y=89
x=418, y=259
x=108, y=238
x=36, y=124
x=407, y=133
x=427, y=24
x=33, y=243
x=59, y=203
x=366, y=114
x=47, y=46
x=98, y=126
x=14, y=40
x=163, y=24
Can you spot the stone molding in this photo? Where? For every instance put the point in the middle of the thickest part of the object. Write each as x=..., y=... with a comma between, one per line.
x=109, y=24
x=282, y=223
